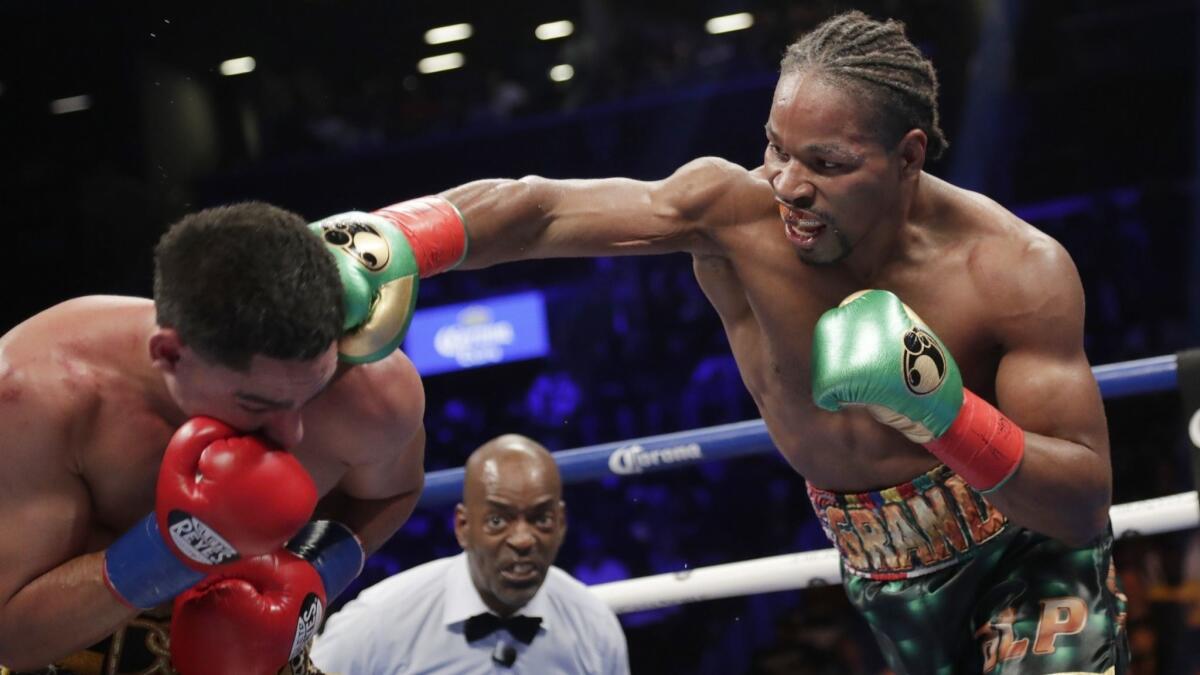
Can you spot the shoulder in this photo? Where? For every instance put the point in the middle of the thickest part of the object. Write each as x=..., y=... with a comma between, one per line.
x=390, y=388
x=49, y=383
x=426, y=577
x=578, y=602
x=386, y=624
x=711, y=186
x=419, y=586
x=378, y=404
x=1022, y=274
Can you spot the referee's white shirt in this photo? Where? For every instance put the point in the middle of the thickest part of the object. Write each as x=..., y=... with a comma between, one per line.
x=413, y=623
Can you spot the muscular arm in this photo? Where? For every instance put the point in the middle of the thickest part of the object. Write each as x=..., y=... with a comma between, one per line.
x=1045, y=385
x=53, y=599
x=373, y=422
x=540, y=218
x=375, y=500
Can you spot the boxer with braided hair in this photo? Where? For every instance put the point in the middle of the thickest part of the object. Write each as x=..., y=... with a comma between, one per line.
x=915, y=349
x=877, y=61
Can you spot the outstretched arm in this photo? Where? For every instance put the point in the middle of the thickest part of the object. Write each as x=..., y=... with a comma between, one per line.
x=381, y=255
x=541, y=218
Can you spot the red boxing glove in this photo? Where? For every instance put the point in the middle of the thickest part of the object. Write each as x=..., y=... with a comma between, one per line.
x=249, y=619
x=223, y=495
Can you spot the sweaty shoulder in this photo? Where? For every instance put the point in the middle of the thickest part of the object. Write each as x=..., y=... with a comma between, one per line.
x=369, y=409
x=51, y=369
x=1021, y=271
x=38, y=412
x=714, y=192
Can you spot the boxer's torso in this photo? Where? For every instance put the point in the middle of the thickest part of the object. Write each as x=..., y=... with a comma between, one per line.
x=769, y=302
x=87, y=363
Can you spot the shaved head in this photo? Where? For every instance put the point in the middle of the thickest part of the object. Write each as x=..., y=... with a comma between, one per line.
x=498, y=459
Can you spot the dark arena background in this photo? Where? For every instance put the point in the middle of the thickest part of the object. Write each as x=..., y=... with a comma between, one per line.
x=1079, y=115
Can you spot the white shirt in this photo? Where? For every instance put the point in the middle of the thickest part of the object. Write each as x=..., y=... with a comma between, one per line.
x=413, y=623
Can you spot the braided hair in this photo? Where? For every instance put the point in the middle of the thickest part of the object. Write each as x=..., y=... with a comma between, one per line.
x=877, y=61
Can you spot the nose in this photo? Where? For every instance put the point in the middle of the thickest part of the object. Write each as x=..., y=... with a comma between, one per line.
x=285, y=428
x=521, y=540
x=793, y=185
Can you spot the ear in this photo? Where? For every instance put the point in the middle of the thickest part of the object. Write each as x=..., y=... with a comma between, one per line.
x=165, y=349
x=912, y=153
x=460, y=525
x=562, y=516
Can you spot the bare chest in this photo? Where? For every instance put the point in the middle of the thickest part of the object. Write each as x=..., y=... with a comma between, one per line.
x=119, y=454
x=770, y=301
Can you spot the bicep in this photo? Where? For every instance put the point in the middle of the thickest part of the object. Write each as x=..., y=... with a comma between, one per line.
x=399, y=471
x=45, y=517
x=542, y=218
x=1044, y=381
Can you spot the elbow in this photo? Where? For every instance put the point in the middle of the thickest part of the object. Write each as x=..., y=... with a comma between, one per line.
x=1091, y=523
x=505, y=218
x=1090, y=519
x=538, y=195
x=16, y=658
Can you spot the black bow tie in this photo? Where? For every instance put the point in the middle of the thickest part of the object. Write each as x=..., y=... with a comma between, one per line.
x=524, y=628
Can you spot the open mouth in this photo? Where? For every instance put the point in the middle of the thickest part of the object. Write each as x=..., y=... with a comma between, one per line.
x=520, y=573
x=801, y=227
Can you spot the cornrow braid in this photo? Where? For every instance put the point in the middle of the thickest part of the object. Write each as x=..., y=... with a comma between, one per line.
x=878, y=61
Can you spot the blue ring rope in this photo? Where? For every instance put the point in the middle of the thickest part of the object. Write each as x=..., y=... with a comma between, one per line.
x=685, y=448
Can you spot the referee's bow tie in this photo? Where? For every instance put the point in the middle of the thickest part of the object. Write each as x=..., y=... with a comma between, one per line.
x=523, y=628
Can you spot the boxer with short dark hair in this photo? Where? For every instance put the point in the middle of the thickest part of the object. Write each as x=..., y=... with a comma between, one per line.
x=957, y=454
x=174, y=451
x=225, y=252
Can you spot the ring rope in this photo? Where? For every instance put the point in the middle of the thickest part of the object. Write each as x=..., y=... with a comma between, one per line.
x=793, y=571
x=726, y=441
x=811, y=568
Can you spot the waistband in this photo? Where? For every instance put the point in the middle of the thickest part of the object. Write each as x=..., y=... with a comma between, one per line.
x=141, y=647
x=929, y=523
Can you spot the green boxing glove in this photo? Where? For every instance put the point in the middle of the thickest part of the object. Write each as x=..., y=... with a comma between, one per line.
x=873, y=351
x=381, y=257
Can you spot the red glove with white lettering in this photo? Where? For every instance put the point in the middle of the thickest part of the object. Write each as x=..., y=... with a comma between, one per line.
x=223, y=495
x=249, y=619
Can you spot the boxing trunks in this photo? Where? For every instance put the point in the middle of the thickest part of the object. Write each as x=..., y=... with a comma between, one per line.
x=142, y=647
x=949, y=585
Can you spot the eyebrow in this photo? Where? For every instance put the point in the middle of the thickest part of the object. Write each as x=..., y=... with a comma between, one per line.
x=262, y=400
x=548, y=501
x=823, y=148
x=285, y=404
x=836, y=150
